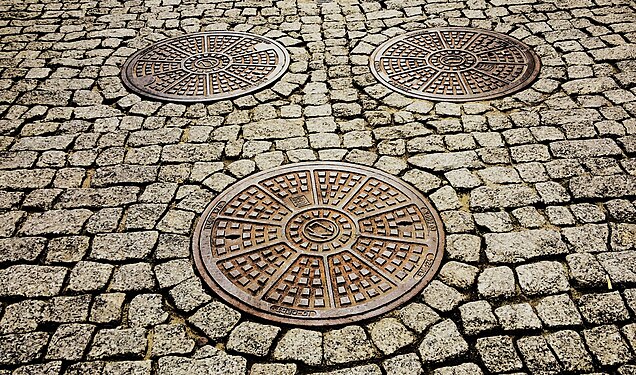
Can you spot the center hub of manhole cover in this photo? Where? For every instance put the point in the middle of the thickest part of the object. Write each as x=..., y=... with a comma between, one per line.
x=318, y=244
x=205, y=66
x=455, y=64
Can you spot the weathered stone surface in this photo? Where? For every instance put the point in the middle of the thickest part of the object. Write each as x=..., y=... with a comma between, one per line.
x=389, y=335
x=603, y=308
x=543, y=278
x=516, y=247
x=218, y=363
x=570, y=351
x=32, y=281
x=252, y=338
x=113, y=343
x=21, y=249
x=558, y=310
x=620, y=266
x=497, y=196
x=607, y=345
x=538, y=356
x=171, y=339
x=69, y=342
x=406, y=364
x=477, y=317
x=22, y=348
x=517, y=317
x=360, y=370
x=496, y=282
x=123, y=246
x=215, y=319
x=55, y=222
x=300, y=345
x=498, y=353
x=418, y=316
x=442, y=343
x=346, y=345
x=146, y=310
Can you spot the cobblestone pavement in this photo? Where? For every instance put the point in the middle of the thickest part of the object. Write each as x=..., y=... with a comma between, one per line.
x=100, y=190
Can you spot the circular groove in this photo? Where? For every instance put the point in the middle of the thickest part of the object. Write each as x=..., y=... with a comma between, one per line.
x=455, y=64
x=318, y=244
x=205, y=66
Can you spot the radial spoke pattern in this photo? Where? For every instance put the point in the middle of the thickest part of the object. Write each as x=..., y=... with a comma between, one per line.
x=205, y=66
x=319, y=244
x=454, y=64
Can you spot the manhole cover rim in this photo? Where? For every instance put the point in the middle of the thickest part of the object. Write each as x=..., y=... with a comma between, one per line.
x=533, y=71
x=350, y=317
x=126, y=70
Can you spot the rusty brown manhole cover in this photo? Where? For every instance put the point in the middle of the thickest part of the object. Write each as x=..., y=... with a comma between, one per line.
x=318, y=243
x=455, y=64
x=205, y=66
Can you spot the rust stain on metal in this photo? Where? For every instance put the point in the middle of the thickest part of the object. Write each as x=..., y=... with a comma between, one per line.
x=455, y=64
x=205, y=66
x=318, y=244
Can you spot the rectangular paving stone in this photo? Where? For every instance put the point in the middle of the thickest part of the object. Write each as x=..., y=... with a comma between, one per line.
x=22, y=348
x=98, y=197
x=620, y=266
x=570, y=351
x=189, y=153
x=55, y=222
x=615, y=186
x=517, y=247
x=123, y=246
x=31, y=281
x=124, y=174
x=26, y=178
x=585, y=148
x=21, y=249
x=274, y=129
x=498, y=196
x=446, y=161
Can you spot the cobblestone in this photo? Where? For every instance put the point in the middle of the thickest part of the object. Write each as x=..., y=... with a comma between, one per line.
x=100, y=189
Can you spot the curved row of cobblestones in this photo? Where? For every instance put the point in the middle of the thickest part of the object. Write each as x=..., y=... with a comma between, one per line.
x=100, y=190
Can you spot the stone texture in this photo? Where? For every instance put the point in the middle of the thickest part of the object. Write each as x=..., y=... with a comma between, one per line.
x=518, y=247
x=346, y=345
x=252, y=338
x=498, y=353
x=443, y=342
x=300, y=345
x=215, y=320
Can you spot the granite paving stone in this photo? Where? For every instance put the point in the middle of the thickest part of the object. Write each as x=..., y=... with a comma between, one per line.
x=101, y=189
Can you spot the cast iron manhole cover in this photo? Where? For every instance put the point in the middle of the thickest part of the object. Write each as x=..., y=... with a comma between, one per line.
x=318, y=243
x=205, y=66
x=455, y=64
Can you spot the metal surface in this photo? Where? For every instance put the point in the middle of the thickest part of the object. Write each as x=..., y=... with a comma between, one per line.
x=205, y=66
x=455, y=64
x=319, y=243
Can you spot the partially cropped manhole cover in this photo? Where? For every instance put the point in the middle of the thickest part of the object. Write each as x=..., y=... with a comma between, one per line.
x=319, y=243
x=455, y=64
x=205, y=66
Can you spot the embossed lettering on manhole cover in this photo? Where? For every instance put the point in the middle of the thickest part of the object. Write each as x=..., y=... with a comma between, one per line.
x=205, y=66
x=318, y=243
x=455, y=64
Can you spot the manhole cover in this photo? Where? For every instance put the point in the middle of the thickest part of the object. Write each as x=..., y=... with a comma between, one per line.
x=205, y=66
x=318, y=243
x=455, y=64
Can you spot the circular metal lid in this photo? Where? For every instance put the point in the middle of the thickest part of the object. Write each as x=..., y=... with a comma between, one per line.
x=205, y=66
x=455, y=64
x=319, y=243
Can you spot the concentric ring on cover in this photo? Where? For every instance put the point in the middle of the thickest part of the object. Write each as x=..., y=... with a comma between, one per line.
x=205, y=66
x=318, y=244
x=455, y=64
